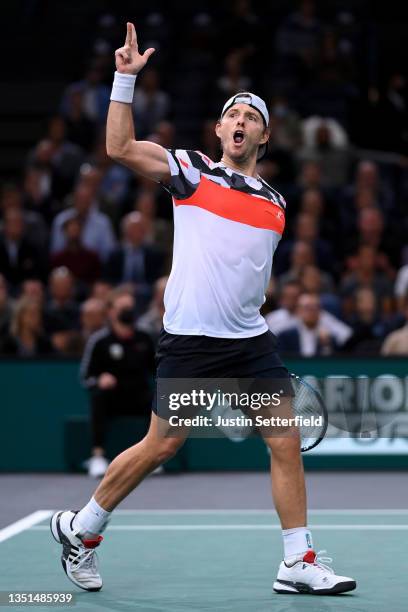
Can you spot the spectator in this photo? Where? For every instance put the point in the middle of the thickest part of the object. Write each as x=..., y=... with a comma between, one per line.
x=61, y=313
x=95, y=95
x=117, y=368
x=396, y=343
x=301, y=256
x=285, y=317
x=284, y=125
x=164, y=134
x=83, y=263
x=134, y=261
x=366, y=274
x=114, y=182
x=152, y=321
x=101, y=290
x=308, y=338
x=35, y=227
x=314, y=281
x=81, y=130
x=26, y=338
x=325, y=141
x=371, y=233
x=312, y=202
x=97, y=232
x=306, y=230
x=63, y=158
x=233, y=79
x=298, y=35
x=93, y=316
x=159, y=232
x=6, y=307
x=34, y=290
x=38, y=198
x=368, y=329
x=19, y=259
x=150, y=103
x=368, y=178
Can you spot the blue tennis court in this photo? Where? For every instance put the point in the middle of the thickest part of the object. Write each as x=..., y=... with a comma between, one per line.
x=226, y=560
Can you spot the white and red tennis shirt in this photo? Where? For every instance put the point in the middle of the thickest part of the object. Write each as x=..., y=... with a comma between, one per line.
x=226, y=228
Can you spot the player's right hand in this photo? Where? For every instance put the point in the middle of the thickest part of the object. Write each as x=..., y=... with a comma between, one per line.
x=128, y=59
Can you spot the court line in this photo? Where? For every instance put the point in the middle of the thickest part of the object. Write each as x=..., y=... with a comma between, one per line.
x=25, y=523
x=239, y=527
x=175, y=512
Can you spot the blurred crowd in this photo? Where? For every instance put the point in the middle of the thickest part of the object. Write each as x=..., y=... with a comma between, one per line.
x=76, y=225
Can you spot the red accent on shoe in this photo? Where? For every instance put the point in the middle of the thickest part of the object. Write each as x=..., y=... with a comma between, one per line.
x=310, y=556
x=92, y=543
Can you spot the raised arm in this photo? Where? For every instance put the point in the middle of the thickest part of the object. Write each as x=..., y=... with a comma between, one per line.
x=146, y=158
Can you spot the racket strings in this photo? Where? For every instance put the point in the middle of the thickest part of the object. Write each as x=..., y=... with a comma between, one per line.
x=308, y=404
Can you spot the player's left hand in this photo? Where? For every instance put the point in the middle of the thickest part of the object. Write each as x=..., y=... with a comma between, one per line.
x=128, y=59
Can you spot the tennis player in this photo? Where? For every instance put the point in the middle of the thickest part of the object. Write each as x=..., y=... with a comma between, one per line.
x=228, y=222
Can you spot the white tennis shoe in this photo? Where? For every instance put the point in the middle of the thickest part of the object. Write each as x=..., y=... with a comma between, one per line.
x=308, y=574
x=79, y=559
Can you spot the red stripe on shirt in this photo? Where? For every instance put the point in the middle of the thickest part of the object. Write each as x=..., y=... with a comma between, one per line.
x=236, y=206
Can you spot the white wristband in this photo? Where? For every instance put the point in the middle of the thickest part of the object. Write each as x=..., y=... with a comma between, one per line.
x=123, y=87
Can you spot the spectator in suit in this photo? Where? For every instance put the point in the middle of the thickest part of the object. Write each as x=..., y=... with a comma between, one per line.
x=26, y=338
x=83, y=263
x=306, y=230
x=19, y=259
x=308, y=338
x=284, y=317
x=365, y=273
x=368, y=328
x=36, y=229
x=62, y=312
x=97, y=231
x=134, y=261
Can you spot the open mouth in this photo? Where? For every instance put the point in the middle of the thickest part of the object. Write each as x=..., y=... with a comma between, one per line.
x=238, y=136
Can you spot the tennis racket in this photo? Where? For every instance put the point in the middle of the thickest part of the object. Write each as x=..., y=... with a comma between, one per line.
x=307, y=403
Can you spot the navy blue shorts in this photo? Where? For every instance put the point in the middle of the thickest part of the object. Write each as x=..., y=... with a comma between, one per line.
x=194, y=357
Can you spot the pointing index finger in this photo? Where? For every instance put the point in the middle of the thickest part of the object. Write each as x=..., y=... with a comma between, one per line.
x=128, y=33
x=133, y=37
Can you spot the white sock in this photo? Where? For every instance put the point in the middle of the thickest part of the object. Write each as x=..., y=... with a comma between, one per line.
x=296, y=541
x=92, y=519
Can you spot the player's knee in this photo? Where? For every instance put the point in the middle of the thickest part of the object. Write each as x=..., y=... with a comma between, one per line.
x=285, y=447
